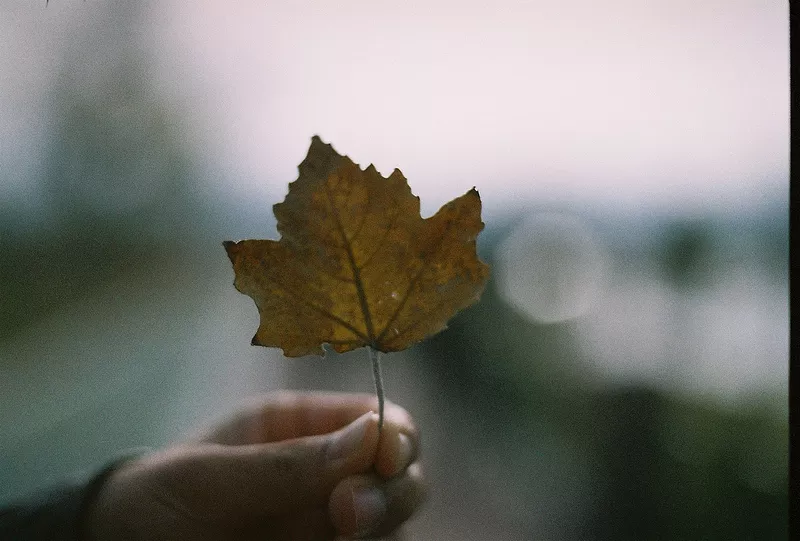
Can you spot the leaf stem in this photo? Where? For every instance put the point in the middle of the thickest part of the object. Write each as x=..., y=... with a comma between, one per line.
x=375, y=357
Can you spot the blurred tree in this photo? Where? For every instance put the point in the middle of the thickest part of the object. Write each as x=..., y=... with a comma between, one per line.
x=686, y=253
x=117, y=184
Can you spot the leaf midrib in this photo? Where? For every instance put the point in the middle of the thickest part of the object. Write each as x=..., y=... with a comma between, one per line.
x=359, y=285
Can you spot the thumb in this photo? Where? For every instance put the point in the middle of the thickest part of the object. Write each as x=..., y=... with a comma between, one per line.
x=274, y=478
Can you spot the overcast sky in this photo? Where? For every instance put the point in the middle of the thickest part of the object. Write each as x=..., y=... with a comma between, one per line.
x=663, y=102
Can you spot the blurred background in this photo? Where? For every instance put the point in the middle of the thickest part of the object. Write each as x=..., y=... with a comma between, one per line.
x=625, y=373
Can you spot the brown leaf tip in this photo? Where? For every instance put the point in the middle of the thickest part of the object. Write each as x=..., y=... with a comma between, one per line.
x=230, y=249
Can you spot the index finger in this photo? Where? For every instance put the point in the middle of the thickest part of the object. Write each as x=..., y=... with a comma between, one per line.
x=287, y=415
x=295, y=414
x=291, y=414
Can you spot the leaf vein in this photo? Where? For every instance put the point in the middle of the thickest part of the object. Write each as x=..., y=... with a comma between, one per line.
x=362, y=297
x=319, y=270
x=419, y=320
x=414, y=280
x=319, y=309
x=380, y=243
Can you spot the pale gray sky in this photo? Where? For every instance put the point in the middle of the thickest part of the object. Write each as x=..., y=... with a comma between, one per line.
x=662, y=102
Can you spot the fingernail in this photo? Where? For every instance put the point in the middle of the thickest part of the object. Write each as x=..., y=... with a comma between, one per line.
x=370, y=507
x=349, y=439
x=404, y=452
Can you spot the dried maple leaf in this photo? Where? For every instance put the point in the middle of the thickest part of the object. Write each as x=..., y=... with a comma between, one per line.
x=356, y=264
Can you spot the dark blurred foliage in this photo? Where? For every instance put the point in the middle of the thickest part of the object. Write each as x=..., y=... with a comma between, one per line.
x=663, y=466
x=686, y=254
x=690, y=251
x=117, y=193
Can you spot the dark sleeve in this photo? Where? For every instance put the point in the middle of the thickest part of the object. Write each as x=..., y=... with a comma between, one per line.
x=56, y=514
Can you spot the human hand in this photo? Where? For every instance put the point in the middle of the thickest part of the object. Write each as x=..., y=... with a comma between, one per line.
x=290, y=465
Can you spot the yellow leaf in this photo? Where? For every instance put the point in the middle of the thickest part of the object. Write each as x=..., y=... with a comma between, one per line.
x=356, y=264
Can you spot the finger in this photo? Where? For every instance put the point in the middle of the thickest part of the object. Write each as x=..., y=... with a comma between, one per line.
x=293, y=414
x=398, y=447
x=255, y=481
x=365, y=505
